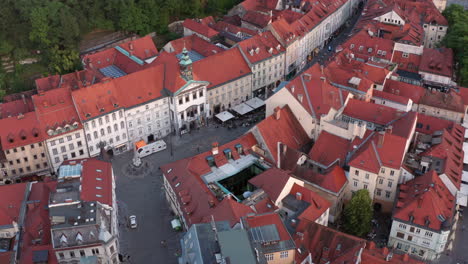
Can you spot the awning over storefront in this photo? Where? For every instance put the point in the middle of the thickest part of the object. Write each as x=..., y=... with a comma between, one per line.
x=224, y=116
x=255, y=102
x=242, y=109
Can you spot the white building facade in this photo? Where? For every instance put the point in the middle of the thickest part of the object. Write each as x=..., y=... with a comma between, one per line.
x=149, y=121
x=108, y=130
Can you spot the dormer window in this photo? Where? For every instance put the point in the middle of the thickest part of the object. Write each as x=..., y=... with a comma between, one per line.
x=228, y=153
x=210, y=160
x=87, y=115
x=239, y=148
x=101, y=110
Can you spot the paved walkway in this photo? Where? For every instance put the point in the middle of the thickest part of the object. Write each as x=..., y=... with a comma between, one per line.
x=144, y=197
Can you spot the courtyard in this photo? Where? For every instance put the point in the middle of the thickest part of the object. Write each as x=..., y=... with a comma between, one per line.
x=144, y=197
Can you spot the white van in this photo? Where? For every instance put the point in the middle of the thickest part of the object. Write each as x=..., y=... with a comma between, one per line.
x=144, y=149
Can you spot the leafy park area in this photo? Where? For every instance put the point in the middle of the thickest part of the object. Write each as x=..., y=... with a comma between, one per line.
x=50, y=31
x=457, y=39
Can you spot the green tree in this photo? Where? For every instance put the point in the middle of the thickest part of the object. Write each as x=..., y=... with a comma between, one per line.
x=457, y=39
x=40, y=27
x=358, y=213
x=63, y=60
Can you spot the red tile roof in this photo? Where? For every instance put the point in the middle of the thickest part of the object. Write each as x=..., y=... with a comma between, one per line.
x=16, y=107
x=284, y=31
x=113, y=94
x=269, y=219
x=377, y=150
x=96, y=181
x=265, y=42
x=328, y=148
x=437, y=61
x=258, y=19
x=143, y=47
x=333, y=179
x=54, y=109
x=225, y=26
x=428, y=124
x=317, y=204
x=272, y=181
x=451, y=101
x=195, y=43
x=325, y=244
x=10, y=203
x=370, y=112
x=228, y=210
x=373, y=255
x=365, y=46
x=22, y=130
x=413, y=92
x=391, y=97
x=200, y=28
x=450, y=149
x=287, y=130
x=37, y=223
x=237, y=67
x=313, y=85
x=425, y=201
x=410, y=63
x=184, y=176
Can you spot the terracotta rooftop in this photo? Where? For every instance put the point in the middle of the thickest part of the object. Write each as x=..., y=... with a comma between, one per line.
x=54, y=110
x=373, y=255
x=328, y=148
x=437, y=61
x=378, y=149
x=112, y=95
x=391, y=97
x=200, y=28
x=325, y=244
x=370, y=112
x=228, y=210
x=451, y=101
x=268, y=219
x=10, y=204
x=365, y=46
x=260, y=47
x=184, y=176
x=282, y=126
x=332, y=179
x=259, y=20
x=425, y=201
x=22, y=130
x=317, y=204
x=195, y=43
x=272, y=181
x=36, y=228
x=315, y=93
x=413, y=92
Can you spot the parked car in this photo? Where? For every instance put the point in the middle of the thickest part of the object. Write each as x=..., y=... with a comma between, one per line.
x=133, y=221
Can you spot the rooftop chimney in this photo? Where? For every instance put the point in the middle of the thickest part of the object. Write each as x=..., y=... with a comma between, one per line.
x=389, y=129
x=215, y=148
x=130, y=46
x=381, y=136
x=299, y=196
x=385, y=251
x=277, y=113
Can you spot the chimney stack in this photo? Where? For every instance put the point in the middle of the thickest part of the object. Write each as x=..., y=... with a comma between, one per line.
x=215, y=148
x=277, y=113
x=381, y=140
x=389, y=129
x=299, y=196
x=24, y=98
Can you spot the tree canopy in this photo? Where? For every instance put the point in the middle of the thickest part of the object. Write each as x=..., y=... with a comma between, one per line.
x=457, y=39
x=358, y=214
x=52, y=29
